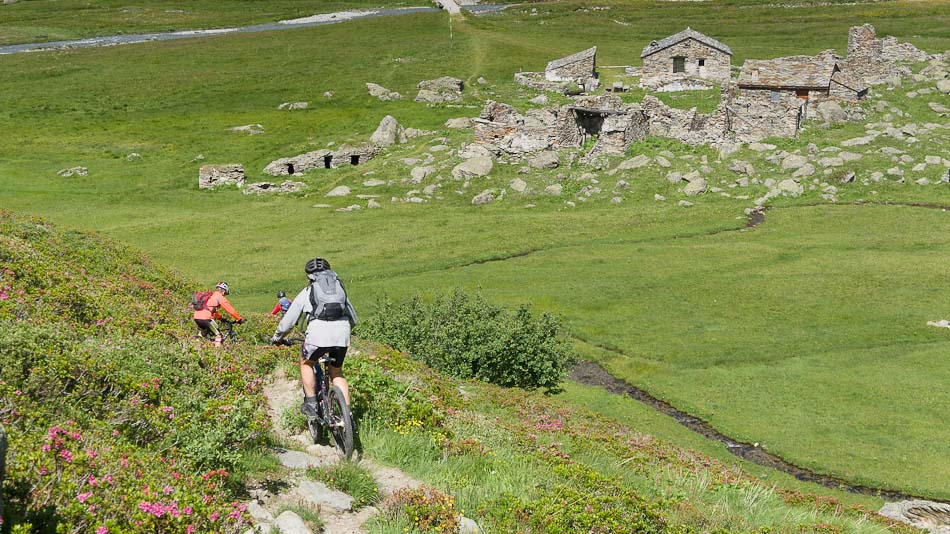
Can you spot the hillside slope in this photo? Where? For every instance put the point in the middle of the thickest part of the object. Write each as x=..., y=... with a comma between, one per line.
x=119, y=421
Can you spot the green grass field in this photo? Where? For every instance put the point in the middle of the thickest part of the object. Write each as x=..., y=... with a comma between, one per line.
x=806, y=334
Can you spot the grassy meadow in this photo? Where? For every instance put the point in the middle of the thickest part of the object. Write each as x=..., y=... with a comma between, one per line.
x=806, y=334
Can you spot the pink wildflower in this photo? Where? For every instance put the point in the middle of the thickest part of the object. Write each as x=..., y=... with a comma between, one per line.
x=68, y=456
x=92, y=481
x=102, y=530
x=214, y=516
x=187, y=510
x=168, y=489
x=115, y=432
x=83, y=497
x=190, y=529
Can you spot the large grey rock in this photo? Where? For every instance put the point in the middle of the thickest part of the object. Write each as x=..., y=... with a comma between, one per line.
x=518, y=185
x=805, y=170
x=373, y=183
x=73, y=171
x=472, y=168
x=421, y=173
x=696, y=186
x=790, y=188
x=545, y=160
x=635, y=162
x=943, y=86
x=293, y=106
x=291, y=523
x=938, y=108
x=445, y=83
x=468, y=526
x=484, y=197
x=339, y=191
x=554, y=189
x=388, y=133
x=930, y=515
x=249, y=129
x=831, y=112
x=258, y=512
x=742, y=167
x=211, y=176
x=319, y=494
x=297, y=459
x=381, y=92
x=793, y=161
x=458, y=123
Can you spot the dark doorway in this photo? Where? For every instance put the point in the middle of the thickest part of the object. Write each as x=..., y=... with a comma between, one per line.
x=327, y=160
x=679, y=64
x=355, y=159
x=591, y=123
x=290, y=168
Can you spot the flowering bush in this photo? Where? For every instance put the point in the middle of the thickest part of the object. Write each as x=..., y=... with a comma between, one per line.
x=425, y=508
x=118, y=421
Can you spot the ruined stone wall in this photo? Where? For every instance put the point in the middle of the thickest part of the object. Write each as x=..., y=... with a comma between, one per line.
x=754, y=116
x=871, y=60
x=621, y=130
x=716, y=68
x=578, y=70
x=685, y=125
x=863, y=43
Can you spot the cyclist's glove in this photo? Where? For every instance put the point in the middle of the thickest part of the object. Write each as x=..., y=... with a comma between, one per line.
x=275, y=340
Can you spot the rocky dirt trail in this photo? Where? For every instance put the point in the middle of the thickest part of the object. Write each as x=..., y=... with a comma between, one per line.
x=334, y=508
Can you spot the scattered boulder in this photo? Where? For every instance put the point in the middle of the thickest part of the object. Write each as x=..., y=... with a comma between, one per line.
x=622, y=184
x=291, y=523
x=472, y=168
x=440, y=90
x=696, y=186
x=831, y=112
x=381, y=92
x=474, y=151
x=414, y=133
x=635, y=162
x=372, y=204
x=922, y=181
x=685, y=203
x=468, y=526
x=928, y=515
x=540, y=100
x=297, y=460
x=319, y=494
x=388, y=133
x=77, y=171
x=554, y=189
x=938, y=108
x=458, y=123
x=761, y=147
x=421, y=173
x=292, y=106
x=250, y=129
x=674, y=177
x=518, y=185
x=339, y=191
x=547, y=159
x=658, y=197
x=742, y=167
x=944, y=86
x=211, y=176
x=847, y=177
x=134, y=156
x=662, y=162
x=484, y=197
x=790, y=188
x=793, y=161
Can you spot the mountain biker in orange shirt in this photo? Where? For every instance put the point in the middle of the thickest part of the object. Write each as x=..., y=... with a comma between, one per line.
x=205, y=317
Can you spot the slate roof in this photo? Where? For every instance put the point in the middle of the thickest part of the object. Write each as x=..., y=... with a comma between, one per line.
x=573, y=58
x=688, y=33
x=849, y=82
x=793, y=72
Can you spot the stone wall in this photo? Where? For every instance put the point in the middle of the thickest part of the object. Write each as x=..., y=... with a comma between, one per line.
x=872, y=60
x=753, y=115
x=686, y=125
x=716, y=66
x=211, y=176
x=323, y=159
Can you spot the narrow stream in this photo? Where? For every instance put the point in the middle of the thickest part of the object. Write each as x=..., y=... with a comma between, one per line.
x=592, y=374
x=306, y=22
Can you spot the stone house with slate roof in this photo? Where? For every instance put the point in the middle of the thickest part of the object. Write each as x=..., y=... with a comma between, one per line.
x=811, y=79
x=577, y=67
x=689, y=53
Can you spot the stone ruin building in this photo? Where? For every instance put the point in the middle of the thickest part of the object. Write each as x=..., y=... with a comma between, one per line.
x=574, y=72
x=615, y=125
x=323, y=159
x=872, y=60
x=676, y=62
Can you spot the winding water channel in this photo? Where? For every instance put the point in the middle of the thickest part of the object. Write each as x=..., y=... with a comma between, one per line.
x=305, y=22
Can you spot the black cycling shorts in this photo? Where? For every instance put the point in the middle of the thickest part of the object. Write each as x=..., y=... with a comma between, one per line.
x=336, y=355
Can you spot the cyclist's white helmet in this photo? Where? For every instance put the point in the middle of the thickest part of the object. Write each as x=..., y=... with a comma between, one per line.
x=224, y=287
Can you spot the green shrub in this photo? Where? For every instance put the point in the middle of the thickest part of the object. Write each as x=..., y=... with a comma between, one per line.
x=351, y=479
x=426, y=509
x=466, y=336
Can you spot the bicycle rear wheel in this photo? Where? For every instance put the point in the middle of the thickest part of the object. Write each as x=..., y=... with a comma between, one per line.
x=340, y=422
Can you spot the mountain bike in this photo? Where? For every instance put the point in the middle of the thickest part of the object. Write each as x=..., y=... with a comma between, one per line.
x=333, y=413
x=228, y=335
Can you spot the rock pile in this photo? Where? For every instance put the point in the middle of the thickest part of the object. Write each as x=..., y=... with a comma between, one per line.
x=249, y=129
x=381, y=92
x=73, y=171
x=440, y=90
x=931, y=516
x=211, y=176
x=291, y=106
x=287, y=186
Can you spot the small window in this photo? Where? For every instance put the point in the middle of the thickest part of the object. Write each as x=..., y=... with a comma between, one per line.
x=679, y=64
x=354, y=159
x=702, y=62
x=776, y=96
x=327, y=161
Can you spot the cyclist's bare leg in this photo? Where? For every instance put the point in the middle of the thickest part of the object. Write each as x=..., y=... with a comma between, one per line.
x=307, y=378
x=336, y=376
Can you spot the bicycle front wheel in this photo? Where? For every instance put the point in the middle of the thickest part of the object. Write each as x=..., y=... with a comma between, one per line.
x=340, y=422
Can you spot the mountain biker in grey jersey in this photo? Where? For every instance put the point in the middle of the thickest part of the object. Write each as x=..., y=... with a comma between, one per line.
x=327, y=335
